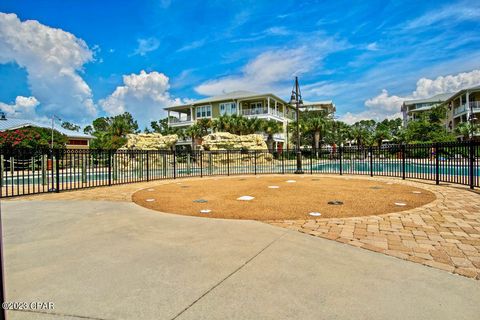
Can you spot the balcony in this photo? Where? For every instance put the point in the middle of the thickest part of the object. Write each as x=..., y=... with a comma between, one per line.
x=464, y=109
x=265, y=113
x=175, y=122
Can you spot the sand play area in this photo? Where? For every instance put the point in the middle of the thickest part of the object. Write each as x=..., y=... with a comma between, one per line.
x=281, y=197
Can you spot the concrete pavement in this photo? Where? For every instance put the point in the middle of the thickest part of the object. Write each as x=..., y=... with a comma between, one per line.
x=116, y=260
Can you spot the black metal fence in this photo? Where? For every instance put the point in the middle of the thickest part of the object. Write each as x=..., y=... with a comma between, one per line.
x=26, y=171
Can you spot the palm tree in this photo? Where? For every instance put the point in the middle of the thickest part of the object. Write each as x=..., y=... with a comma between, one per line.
x=271, y=127
x=204, y=124
x=465, y=129
x=316, y=126
x=194, y=132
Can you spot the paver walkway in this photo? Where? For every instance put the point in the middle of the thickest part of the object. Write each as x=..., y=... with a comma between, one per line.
x=443, y=234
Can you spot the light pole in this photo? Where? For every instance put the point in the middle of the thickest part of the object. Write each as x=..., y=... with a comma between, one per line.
x=53, y=124
x=296, y=99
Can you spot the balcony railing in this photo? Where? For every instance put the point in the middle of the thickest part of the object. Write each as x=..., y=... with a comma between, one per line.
x=179, y=122
x=263, y=111
x=475, y=105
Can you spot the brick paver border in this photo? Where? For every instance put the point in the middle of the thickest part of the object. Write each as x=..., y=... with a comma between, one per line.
x=443, y=234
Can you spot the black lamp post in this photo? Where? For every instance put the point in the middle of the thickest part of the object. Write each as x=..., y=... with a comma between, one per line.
x=296, y=99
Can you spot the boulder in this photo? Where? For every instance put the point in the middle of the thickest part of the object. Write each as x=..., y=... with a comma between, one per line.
x=149, y=141
x=229, y=141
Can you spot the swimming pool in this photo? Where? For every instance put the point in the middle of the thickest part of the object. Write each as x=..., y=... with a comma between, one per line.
x=396, y=167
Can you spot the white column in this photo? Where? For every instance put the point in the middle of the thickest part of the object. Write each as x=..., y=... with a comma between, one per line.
x=239, y=106
x=168, y=117
x=268, y=105
x=191, y=113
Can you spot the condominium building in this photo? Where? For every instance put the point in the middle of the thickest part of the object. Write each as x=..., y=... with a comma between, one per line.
x=462, y=107
x=411, y=109
x=249, y=104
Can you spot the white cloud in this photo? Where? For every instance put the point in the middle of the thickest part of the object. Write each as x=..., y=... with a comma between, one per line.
x=24, y=107
x=274, y=69
x=451, y=83
x=144, y=95
x=146, y=45
x=53, y=59
x=193, y=45
x=388, y=106
x=372, y=46
x=453, y=13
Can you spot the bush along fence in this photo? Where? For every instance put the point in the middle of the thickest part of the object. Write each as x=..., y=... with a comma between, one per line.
x=26, y=171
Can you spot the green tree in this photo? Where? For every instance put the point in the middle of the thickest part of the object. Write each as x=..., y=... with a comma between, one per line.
x=428, y=128
x=111, y=132
x=467, y=129
x=70, y=126
x=270, y=128
x=194, y=132
x=32, y=138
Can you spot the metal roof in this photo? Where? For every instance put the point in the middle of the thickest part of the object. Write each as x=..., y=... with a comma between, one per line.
x=456, y=94
x=234, y=95
x=436, y=98
x=12, y=124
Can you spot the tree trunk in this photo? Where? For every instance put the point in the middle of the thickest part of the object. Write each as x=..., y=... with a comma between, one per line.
x=316, y=138
x=270, y=143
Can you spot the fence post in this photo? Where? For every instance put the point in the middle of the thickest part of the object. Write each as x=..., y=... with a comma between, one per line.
x=57, y=169
x=404, y=155
x=174, y=165
x=255, y=161
x=189, y=164
x=44, y=169
x=210, y=165
x=471, y=164
x=370, y=151
x=148, y=165
x=283, y=162
x=340, y=152
x=228, y=162
x=109, y=167
x=311, y=162
x=12, y=166
x=1, y=170
x=201, y=163
x=164, y=165
x=437, y=165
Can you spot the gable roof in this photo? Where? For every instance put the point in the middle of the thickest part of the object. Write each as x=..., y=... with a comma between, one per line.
x=12, y=124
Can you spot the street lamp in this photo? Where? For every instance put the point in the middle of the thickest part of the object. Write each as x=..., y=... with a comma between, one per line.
x=53, y=124
x=296, y=99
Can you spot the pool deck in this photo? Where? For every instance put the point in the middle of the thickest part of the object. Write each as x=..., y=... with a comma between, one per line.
x=98, y=259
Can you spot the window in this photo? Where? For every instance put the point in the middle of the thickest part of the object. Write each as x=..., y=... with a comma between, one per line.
x=256, y=107
x=204, y=112
x=228, y=108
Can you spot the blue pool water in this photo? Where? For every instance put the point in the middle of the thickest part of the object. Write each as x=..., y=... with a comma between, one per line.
x=394, y=167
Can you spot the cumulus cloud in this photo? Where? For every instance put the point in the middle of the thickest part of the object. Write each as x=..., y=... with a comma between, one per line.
x=273, y=69
x=385, y=105
x=24, y=107
x=146, y=45
x=144, y=95
x=53, y=60
x=451, y=83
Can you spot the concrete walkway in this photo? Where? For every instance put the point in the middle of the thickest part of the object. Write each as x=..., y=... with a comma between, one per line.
x=116, y=260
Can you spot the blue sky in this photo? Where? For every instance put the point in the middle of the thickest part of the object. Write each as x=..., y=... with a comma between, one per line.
x=83, y=59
